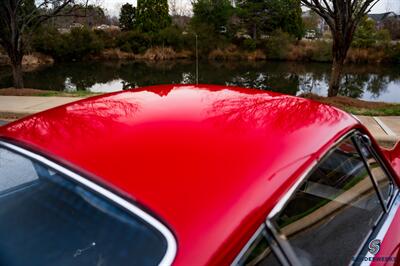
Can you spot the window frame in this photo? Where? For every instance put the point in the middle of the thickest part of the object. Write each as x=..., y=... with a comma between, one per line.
x=275, y=248
x=368, y=144
x=379, y=224
x=128, y=206
x=392, y=204
x=279, y=244
x=272, y=231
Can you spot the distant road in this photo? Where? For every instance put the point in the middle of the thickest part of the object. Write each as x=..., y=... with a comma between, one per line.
x=3, y=122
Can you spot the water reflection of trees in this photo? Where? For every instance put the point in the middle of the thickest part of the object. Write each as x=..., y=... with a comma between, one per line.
x=287, y=77
x=84, y=119
x=260, y=111
x=355, y=85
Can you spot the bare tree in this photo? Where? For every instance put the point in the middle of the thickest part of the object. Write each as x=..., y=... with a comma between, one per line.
x=173, y=8
x=18, y=19
x=342, y=17
x=179, y=8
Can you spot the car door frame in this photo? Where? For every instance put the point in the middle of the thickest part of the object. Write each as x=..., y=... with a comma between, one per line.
x=386, y=216
x=278, y=242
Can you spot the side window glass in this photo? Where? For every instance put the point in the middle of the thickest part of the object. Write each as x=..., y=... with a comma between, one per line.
x=259, y=253
x=20, y=170
x=335, y=208
x=48, y=219
x=382, y=179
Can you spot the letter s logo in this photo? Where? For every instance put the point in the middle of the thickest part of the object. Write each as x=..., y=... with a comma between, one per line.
x=374, y=246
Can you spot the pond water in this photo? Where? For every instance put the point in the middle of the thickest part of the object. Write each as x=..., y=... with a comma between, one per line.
x=369, y=82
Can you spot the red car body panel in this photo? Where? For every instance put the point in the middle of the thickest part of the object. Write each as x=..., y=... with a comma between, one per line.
x=393, y=157
x=210, y=161
x=389, y=253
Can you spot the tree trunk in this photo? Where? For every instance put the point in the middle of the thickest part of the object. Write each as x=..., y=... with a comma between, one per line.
x=339, y=52
x=336, y=76
x=17, y=74
x=15, y=51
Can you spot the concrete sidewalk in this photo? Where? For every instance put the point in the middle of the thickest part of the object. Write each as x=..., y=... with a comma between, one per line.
x=385, y=129
x=22, y=105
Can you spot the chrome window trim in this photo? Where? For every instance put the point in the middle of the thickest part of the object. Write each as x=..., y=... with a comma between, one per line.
x=282, y=202
x=248, y=244
x=281, y=239
x=287, y=255
x=262, y=229
x=171, y=251
x=356, y=118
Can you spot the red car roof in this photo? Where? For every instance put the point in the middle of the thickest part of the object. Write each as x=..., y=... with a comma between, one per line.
x=210, y=161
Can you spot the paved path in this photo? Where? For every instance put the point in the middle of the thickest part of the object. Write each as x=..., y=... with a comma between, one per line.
x=31, y=104
x=386, y=129
x=3, y=122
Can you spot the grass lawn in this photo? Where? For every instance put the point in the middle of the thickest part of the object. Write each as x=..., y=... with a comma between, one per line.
x=358, y=107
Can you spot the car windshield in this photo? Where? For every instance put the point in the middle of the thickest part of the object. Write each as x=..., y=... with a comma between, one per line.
x=48, y=219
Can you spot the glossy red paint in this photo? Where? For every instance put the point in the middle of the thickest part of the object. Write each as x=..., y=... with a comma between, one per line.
x=393, y=156
x=210, y=161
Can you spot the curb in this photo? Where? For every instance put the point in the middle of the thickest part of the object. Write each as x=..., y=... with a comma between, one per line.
x=387, y=141
x=10, y=116
x=384, y=127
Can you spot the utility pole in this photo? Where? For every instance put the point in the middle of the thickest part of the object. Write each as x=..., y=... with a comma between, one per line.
x=197, y=61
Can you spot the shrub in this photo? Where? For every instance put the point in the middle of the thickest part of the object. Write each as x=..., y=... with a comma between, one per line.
x=160, y=53
x=319, y=51
x=48, y=41
x=249, y=45
x=171, y=36
x=208, y=40
x=395, y=53
x=367, y=35
x=383, y=37
x=366, y=55
x=108, y=38
x=322, y=51
x=82, y=42
x=218, y=54
x=71, y=46
x=277, y=44
x=134, y=41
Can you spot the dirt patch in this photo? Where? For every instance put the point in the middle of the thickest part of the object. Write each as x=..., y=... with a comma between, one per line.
x=343, y=102
x=9, y=117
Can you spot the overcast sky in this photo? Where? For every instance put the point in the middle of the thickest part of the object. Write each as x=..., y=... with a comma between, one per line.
x=113, y=6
